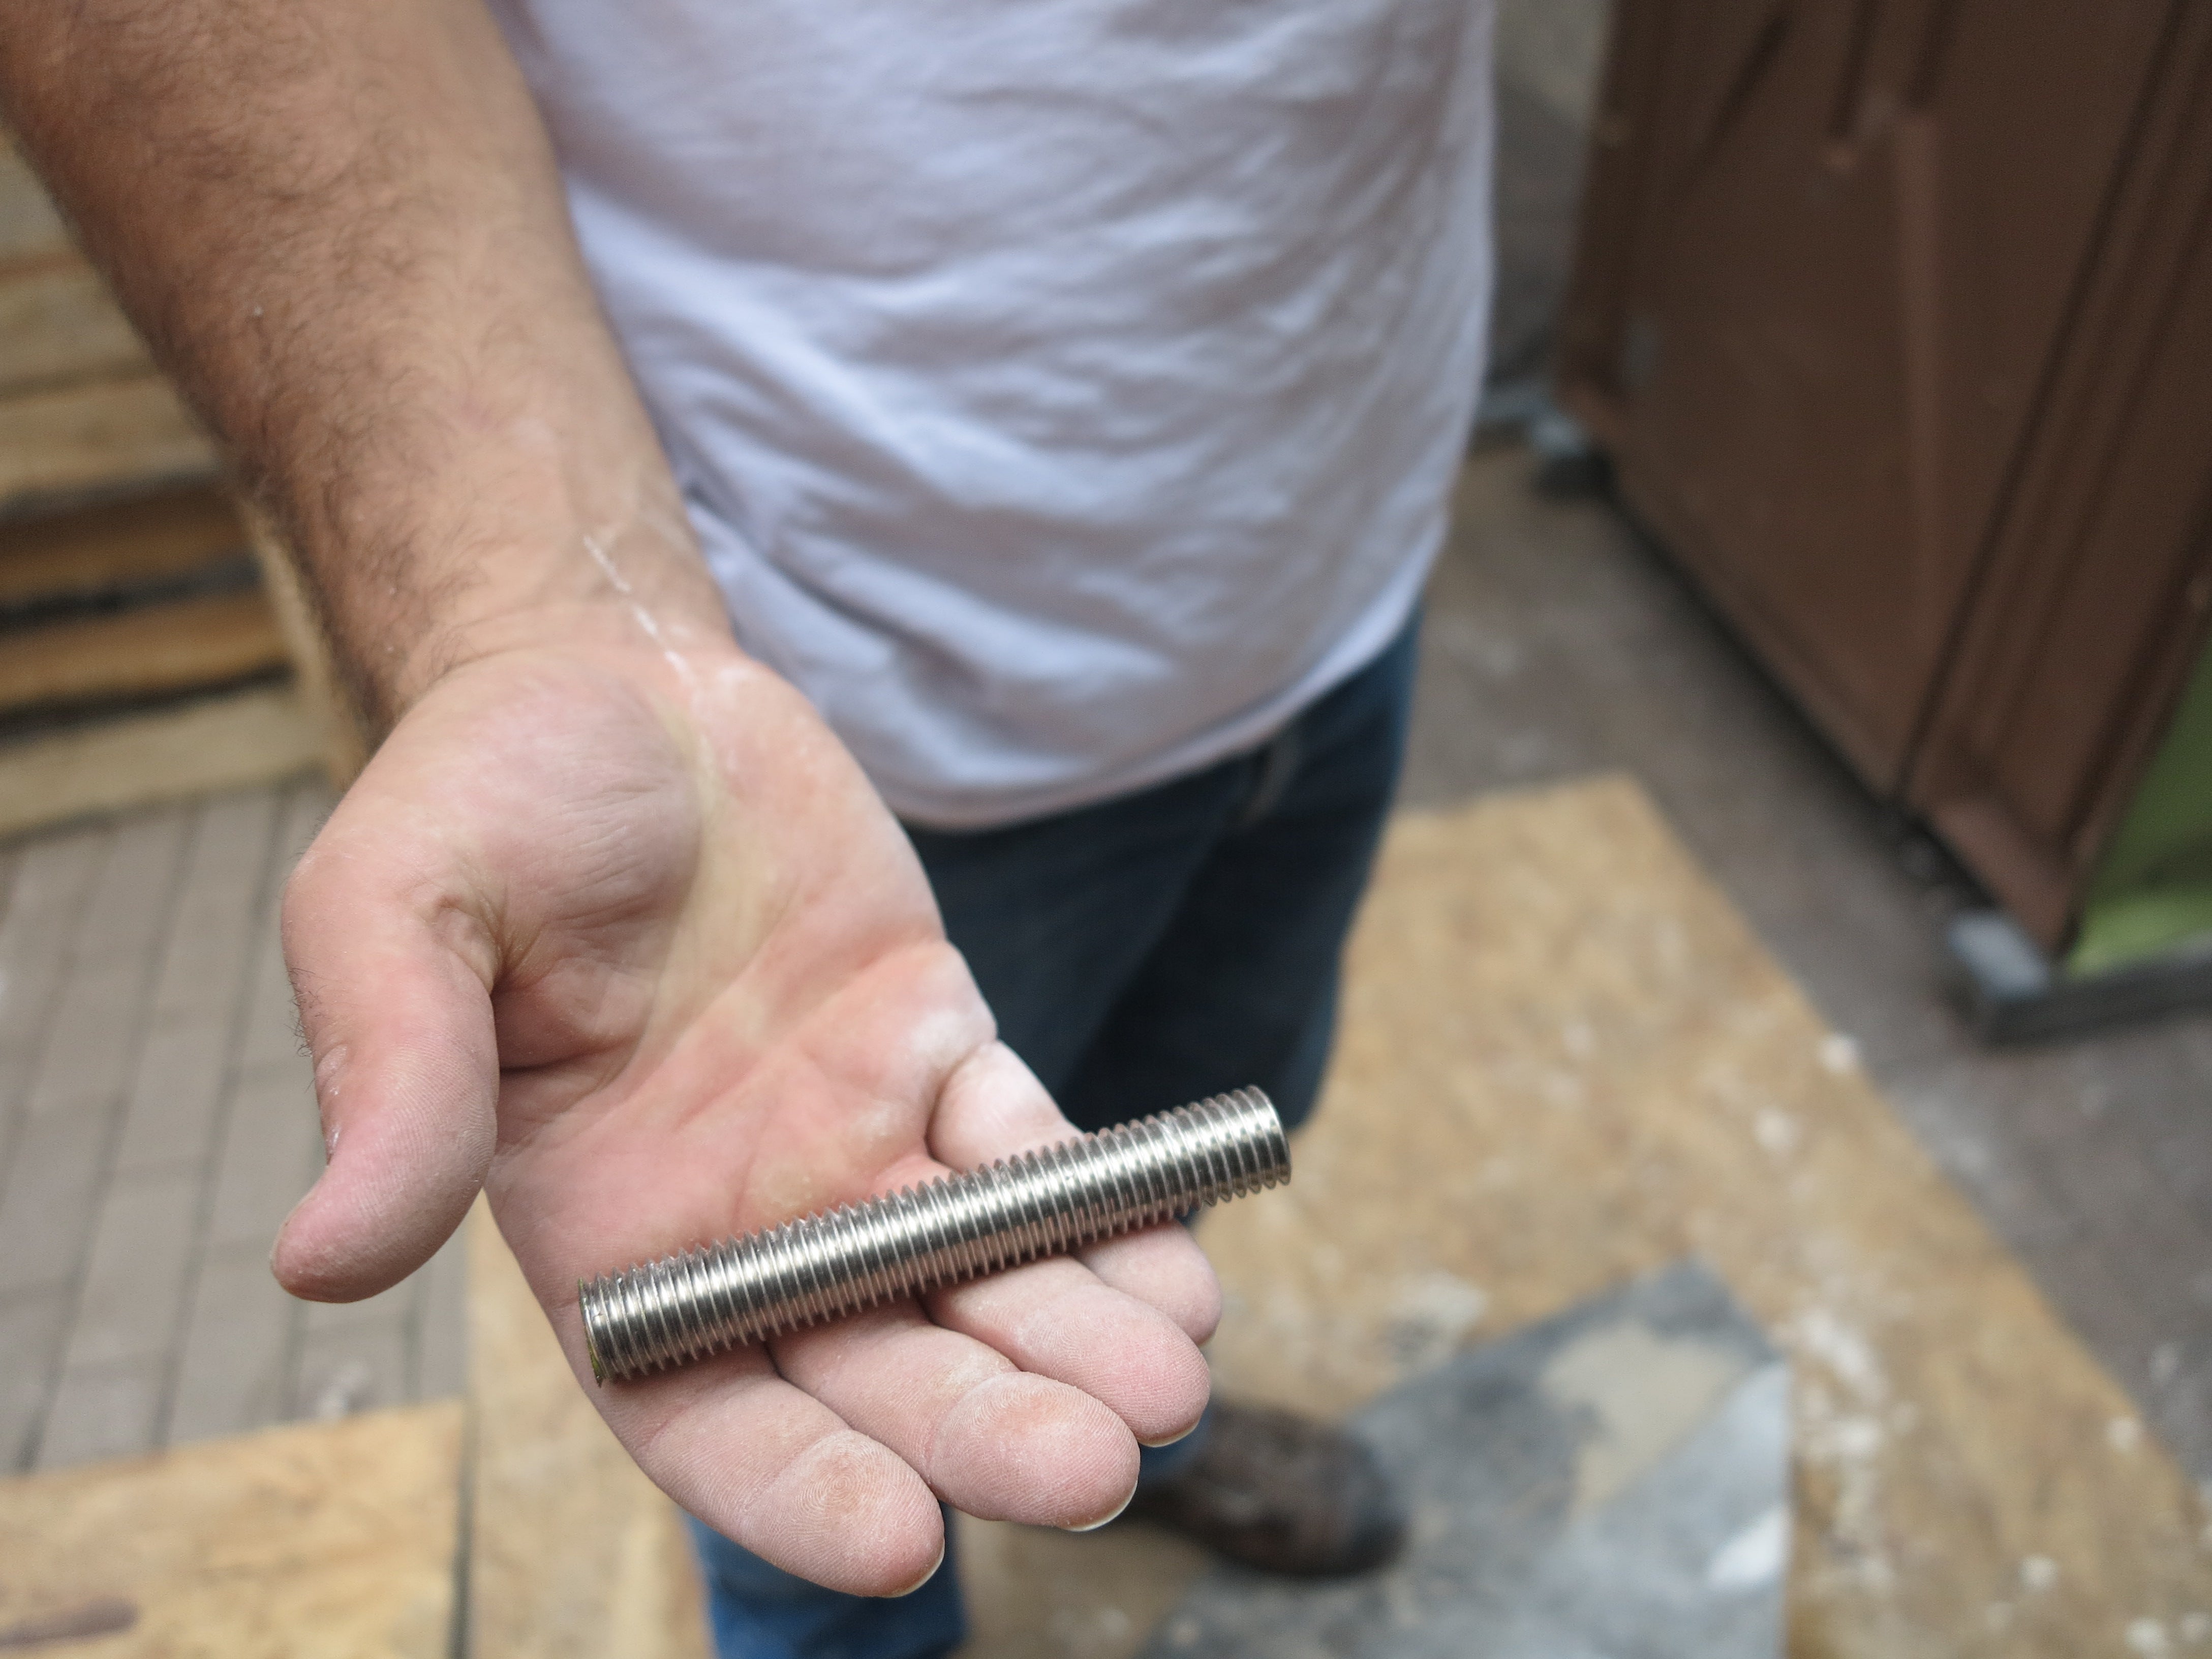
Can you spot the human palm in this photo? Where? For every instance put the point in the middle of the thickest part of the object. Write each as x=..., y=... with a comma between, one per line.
x=628, y=940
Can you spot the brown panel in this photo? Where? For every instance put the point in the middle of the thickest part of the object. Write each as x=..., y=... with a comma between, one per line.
x=1852, y=235
x=2095, y=600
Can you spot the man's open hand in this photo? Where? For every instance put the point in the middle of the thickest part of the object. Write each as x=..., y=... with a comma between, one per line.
x=629, y=940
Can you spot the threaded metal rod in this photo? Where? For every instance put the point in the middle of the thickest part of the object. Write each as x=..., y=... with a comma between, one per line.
x=699, y=1302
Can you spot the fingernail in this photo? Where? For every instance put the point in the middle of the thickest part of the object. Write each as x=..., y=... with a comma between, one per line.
x=925, y=1578
x=1154, y=1446
x=1093, y=1526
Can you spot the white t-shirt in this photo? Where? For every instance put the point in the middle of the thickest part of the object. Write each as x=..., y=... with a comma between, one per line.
x=1065, y=393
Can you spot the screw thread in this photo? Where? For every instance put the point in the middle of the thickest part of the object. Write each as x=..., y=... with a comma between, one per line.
x=699, y=1302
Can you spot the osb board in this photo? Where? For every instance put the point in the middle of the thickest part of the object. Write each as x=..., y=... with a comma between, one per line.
x=58, y=324
x=330, y=1539
x=573, y=1551
x=120, y=545
x=223, y=741
x=155, y=649
x=83, y=443
x=1566, y=1061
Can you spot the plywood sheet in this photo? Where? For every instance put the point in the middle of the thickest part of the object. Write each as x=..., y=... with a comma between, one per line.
x=1565, y=1062
x=156, y=649
x=83, y=443
x=574, y=1552
x=223, y=742
x=330, y=1539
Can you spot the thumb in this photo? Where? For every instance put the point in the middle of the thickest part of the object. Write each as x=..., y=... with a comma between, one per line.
x=392, y=980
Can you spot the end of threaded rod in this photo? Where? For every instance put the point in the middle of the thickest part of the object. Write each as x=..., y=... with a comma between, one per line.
x=591, y=1336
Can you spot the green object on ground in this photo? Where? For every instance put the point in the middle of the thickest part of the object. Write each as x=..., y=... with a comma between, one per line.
x=2153, y=893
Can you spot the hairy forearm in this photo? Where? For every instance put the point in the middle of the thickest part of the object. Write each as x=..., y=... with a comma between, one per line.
x=338, y=224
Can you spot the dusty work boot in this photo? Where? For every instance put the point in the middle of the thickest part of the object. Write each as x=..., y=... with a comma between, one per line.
x=1282, y=1493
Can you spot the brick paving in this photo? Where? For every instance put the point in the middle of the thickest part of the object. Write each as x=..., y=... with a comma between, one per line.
x=156, y=1122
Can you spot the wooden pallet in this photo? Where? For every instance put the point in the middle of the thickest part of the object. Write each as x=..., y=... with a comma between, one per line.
x=143, y=653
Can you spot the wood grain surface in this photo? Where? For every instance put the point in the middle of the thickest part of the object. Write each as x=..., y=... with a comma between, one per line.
x=96, y=440
x=574, y=1552
x=183, y=645
x=122, y=545
x=225, y=742
x=330, y=1539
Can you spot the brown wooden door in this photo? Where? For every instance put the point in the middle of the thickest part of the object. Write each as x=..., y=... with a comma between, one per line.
x=1829, y=255
x=2092, y=603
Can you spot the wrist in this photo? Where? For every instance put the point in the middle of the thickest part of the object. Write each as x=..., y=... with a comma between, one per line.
x=412, y=590
x=615, y=630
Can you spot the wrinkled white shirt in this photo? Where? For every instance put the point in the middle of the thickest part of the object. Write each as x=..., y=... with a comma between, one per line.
x=1065, y=393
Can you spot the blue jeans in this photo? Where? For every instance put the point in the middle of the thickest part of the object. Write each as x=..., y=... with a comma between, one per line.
x=1139, y=954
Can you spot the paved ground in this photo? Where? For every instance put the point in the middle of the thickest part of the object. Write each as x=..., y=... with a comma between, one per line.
x=156, y=1122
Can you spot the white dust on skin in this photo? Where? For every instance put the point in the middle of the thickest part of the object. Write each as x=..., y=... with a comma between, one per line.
x=639, y=614
x=328, y=1070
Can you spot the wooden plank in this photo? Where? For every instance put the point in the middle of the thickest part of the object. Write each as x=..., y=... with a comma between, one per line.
x=59, y=324
x=156, y=650
x=30, y=230
x=221, y=743
x=88, y=443
x=573, y=1551
x=118, y=546
x=346, y=743
x=332, y=1539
